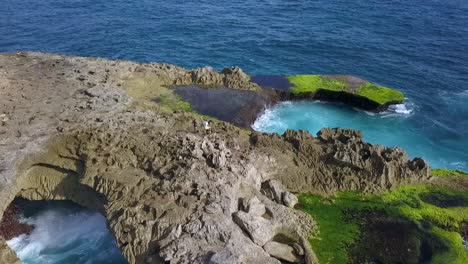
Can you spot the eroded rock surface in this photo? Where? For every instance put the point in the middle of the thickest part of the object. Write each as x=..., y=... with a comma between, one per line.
x=72, y=128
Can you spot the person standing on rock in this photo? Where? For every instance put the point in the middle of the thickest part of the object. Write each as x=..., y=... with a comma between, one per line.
x=195, y=125
x=206, y=125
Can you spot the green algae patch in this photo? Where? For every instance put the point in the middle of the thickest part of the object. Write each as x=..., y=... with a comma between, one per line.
x=175, y=103
x=380, y=94
x=303, y=84
x=313, y=83
x=341, y=221
x=335, y=233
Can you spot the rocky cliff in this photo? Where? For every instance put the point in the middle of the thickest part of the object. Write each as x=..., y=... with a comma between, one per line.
x=88, y=130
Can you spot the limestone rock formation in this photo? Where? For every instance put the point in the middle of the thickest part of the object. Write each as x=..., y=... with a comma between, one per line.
x=232, y=77
x=80, y=129
x=281, y=251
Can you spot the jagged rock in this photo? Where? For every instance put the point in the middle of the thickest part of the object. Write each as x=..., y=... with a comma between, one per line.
x=281, y=251
x=289, y=199
x=165, y=189
x=234, y=77
x=219, y=159
x=259, y=229
x=206, y=76
x=273, y=189
x=253, y=206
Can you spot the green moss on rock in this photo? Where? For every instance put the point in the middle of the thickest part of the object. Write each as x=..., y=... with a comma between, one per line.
x=341, y=83
x=337, y=231
x=380, y=94
x=313, y=83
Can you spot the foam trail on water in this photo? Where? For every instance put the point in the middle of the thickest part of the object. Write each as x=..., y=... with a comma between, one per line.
x=404, y=109
x=61, y=237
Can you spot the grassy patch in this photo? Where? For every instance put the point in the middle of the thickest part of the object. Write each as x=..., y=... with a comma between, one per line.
x=446, y=173
x=380, y=94
x=175, y=102
x=337, y=231
x=313, y=83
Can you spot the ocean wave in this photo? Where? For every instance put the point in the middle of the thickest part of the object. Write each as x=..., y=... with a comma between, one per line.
x=60, y=236
x=405, y=108
x=266, y=120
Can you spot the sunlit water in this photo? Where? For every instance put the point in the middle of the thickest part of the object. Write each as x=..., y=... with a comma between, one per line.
x=399, y=126
x=419, y=47
x=66, y=234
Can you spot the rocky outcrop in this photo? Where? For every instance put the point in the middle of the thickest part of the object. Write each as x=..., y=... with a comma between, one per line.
x=338, y=159
x=281, y=251
x=10, y=226
x=76, y=129
x=232, y=77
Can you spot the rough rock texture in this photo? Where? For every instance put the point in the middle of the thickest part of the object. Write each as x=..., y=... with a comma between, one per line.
x=10, y=226
x=70, y=131
x=281, y=251
x=232, y=77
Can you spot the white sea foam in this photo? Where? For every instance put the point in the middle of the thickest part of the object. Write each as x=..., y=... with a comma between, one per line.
x=404, y=108
x=269, y=119
x=58, y=235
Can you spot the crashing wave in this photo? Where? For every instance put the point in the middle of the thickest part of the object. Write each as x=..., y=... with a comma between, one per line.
x=62, y=237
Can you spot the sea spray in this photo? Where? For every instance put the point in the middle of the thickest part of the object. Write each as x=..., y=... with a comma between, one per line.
x=67, y=235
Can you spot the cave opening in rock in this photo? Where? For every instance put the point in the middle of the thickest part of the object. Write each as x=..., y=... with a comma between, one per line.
x=52, y=231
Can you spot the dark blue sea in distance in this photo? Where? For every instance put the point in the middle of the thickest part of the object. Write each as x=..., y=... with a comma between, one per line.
x=419, y=47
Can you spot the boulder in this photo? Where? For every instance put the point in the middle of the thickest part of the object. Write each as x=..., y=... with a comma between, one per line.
x=273, y=189
x=289, y=199
x=253, y=206
x=259, y=229
x=281, y=251
x=298, y=249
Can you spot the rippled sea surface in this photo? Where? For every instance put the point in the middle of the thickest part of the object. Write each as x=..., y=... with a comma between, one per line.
x=418, y=46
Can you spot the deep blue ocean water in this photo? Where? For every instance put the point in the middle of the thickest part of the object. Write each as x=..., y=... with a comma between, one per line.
x=418, y=46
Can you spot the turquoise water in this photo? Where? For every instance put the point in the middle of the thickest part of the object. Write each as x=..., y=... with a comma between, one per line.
x=393, y=128
x=65, y=233
x=419, y=47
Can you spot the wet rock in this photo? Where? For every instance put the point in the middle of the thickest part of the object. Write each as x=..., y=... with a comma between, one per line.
x=10, y=226
x=281, y=251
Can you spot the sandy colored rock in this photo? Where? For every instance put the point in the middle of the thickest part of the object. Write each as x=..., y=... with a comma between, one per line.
x=281, y=251
x=85, y=130
x=259, y=229
x=289, y=199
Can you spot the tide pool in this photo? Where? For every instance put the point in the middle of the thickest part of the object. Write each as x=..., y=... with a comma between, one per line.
x=400, y=126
